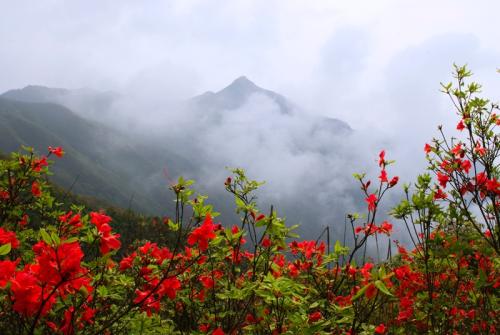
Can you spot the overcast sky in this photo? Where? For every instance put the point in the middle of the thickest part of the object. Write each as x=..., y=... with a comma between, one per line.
x=371, y=63
x=300, y=48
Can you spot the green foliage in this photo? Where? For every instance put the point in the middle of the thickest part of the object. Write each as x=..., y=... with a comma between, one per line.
x=62, y=271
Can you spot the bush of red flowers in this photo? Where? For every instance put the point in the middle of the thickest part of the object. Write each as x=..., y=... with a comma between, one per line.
x=60, y=272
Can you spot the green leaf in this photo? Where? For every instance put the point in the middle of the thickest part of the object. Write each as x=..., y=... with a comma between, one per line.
x=360, y=292
x=5, y=249
x=45, y=236
x=55, y=238
x=338, y=247
x=239, y=202
x=382, y=288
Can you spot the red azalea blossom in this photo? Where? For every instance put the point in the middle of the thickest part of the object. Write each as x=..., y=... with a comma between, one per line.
x=427, y=148
x=385, y=228
x=109, y=241
x=365, y=270
x=458, y=151
x=202, y=234
x=465, y=165
x=383, y=176
x=380, y=329
x=443, y=179
x=206, y=281
x=8, y=237
x=439, y=194
x=315, y=316
x=58, y=151
x=24, y=220
x=126, y=262
x=371, y=200
x=381, y=158
x=99, y=219
x=478, y=149
x=7, y=270
x=218, y=331
x=394, y=181
x=204, y=327
x=35, y=189
x=38, y=164
x=4, y=195
x=26, y=293
x=266, y=242
x=371, y=291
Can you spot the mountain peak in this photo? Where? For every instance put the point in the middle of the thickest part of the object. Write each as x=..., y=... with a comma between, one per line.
x=242, y=83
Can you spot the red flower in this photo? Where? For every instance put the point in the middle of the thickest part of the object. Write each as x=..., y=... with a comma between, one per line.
x=315, y=316
x=26, y=293
x=460, y=125
x=457, y=151
x=4, y=195
x=365, y=270
x=8, y=237
x=35, y=189
x=371, y=291
x=206, y=281
x=465, y=165
x=24, y=220
x=371, y=200
x=99, y=219
x=56, y=265
x=202, y=234
x=493, y=185
x=58, y=151
x=88, y=314
x=235, y=229
x=218, y=331
x=439, y=194
x=478, y=149
x=443, y=179
x=383, y=176
x=204, y=327
x=393, y=181
x=380, y=329
x=109, y=241
x=38, y=164
x=266, y=242
x=169, y=287
x=427, y=148
x=7, y=270
x=385, y=228
x=381, y=158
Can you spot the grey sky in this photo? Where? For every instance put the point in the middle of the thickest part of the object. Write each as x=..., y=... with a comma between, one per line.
x=300, y=48
x=375, y=64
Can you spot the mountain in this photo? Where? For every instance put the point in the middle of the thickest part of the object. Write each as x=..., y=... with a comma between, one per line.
x=84, y=101
x=236, y=95
x=100, y=161
x=241, y=125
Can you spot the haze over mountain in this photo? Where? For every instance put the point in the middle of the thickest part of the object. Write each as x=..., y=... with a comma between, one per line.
x=305, y=159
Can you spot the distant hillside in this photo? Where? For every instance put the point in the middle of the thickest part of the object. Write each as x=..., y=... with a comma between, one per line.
x=100, y=161
x=128, y=156
x=84, y=101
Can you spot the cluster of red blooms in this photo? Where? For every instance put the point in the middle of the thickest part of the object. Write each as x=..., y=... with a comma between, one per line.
x=384, y=228
x=108, y=240
x=56, y=271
